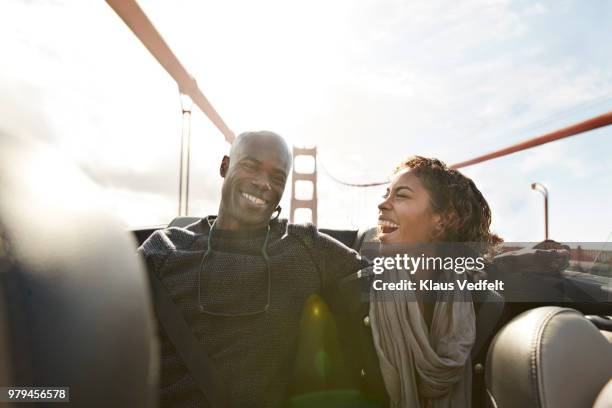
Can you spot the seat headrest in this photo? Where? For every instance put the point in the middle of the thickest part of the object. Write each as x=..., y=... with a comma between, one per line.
x=548, y=357
x=74, y=301
x=183, y=221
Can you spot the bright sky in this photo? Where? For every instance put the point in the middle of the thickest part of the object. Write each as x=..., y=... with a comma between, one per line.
x=369, y=82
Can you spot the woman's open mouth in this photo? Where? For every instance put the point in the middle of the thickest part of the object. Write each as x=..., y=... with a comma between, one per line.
x=254, y=200
x=386, y=226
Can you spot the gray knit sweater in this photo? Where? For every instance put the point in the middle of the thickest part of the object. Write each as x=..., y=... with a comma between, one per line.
x=254, y=355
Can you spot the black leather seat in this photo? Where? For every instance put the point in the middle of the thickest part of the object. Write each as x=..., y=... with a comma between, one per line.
x=74, y=304
x=183, y=221
x=548, y=357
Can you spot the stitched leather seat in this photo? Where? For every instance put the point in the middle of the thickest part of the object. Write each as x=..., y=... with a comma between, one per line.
x=74, y=305
x=548, y=357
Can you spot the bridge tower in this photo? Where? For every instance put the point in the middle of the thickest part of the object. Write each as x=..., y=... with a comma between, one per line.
x=310, y=203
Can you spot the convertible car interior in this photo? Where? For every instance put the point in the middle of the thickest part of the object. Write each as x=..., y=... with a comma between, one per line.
x=75, y=309
x=525, y=355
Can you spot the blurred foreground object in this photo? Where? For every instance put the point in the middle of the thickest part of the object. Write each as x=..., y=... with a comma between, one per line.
x=74, y=305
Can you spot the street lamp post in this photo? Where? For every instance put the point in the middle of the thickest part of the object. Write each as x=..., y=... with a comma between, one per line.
x=542, y=189
x=186, y=105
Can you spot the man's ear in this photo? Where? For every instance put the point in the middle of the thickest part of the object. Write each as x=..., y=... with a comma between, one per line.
x=225, y=162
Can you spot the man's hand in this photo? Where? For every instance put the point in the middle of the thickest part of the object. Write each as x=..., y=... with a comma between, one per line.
x=546, y=257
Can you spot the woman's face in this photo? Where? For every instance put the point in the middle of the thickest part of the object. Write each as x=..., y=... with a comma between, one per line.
x=405, y=215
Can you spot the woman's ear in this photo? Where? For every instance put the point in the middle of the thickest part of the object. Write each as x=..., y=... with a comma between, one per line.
x=437, y=226
x=437, y=221
x=224, y=166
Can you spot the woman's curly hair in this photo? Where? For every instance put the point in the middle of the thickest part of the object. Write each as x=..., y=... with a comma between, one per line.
x=466, y=215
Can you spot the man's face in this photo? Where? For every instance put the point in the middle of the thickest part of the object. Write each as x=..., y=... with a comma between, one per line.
x=254, y=182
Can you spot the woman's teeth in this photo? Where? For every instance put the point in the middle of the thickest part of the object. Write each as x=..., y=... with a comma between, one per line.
x=254, y=199
x=388, y=224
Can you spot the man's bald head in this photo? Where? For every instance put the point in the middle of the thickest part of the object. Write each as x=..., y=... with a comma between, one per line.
x=263, y=138
x=255, y=174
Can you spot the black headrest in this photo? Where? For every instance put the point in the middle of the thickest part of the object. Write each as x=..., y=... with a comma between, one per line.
x=549, y=357
x=347, y=237
x=183, y=221
x=74, y=304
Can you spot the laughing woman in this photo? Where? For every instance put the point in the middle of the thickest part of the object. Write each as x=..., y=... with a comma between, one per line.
x=422, y=340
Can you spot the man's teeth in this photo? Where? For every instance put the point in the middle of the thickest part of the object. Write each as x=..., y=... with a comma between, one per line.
x=385, y=223
x=254, y=199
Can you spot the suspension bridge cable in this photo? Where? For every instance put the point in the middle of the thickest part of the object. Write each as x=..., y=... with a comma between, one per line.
x=331, y=176
x=135, y=18
x=578, y=128
x=561, y=114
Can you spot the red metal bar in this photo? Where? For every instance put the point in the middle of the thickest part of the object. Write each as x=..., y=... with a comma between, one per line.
x=133, y=16
x=585, y=126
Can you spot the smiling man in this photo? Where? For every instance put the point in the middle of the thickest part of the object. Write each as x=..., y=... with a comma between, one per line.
x=241, y=280
x=255, y=175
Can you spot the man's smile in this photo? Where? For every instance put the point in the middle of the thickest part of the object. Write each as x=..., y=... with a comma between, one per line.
x=254, y=200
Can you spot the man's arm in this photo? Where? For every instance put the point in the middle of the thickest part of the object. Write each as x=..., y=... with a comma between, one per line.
x=546, y=257
x=334, y=259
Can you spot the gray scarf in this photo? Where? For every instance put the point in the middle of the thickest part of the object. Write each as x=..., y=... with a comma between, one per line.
x=422, y=368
